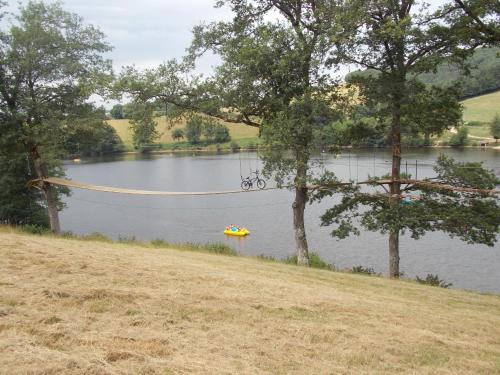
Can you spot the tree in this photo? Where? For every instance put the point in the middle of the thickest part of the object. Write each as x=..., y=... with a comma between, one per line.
x=221, y=134
x=88, y=134
x=50, y=63
x=460, y=137
x=19, y=205
x=495, y=128
x=142, y=124
x=457, y=202
x=177, y=134
x=117, y=112
x=479, y=18
x=273, y=75
x=397, y=42
x=193, y=130
x=209, y=126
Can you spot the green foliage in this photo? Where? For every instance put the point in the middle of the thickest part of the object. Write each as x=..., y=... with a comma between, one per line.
x=90, y=135
x=364, y=270
x=433, y=280
x=51, y=63
x=219, y=248
x=117, y=112
x=460, y=138
x=234, y=146
x=483, y=77
x=208, y=128
x=143, y=125
x=194, y=129
x=128, y=239
x=177, y=134
x=19, y=205
x=495, y=127
x=474, y=217
x=213, y=248
x=35, y=229
x=315, y=261
x=213, y=131
x=294, y=129
x=96, y=236
x=221, y=134
x=483, y=74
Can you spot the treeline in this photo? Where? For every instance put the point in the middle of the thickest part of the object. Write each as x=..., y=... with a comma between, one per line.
x=484, y=75
x=477, y=75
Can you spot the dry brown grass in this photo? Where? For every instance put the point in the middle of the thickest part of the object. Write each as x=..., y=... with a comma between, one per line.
x=81, y=307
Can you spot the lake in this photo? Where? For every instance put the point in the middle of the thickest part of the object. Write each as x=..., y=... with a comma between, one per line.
x=267, y=214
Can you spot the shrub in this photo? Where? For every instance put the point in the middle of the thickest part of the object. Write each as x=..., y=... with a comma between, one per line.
x=158, y=242
x=220, y=248
x=117, y=111
x=235, y=146
x=209, y=128
x=268, y=258
x=127, y=239
x=221, y=134
x=214, y=248
x=96, y=236
x=495, y=128
x=193, y=129
x=433, y=280
x=315, y=261
x=459, y=138
x=364, y=270
x=35, y=229
x=68, y=234
x=177, y=134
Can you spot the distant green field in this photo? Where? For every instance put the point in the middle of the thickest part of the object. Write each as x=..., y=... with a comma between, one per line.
x=239, y=132
x=482, y=108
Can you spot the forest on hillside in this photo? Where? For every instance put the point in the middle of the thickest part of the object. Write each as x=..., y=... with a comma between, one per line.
x=484, y=77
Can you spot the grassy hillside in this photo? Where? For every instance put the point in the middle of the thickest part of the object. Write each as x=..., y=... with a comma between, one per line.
x=238, y=132
x=482, y=108
x=71, y=306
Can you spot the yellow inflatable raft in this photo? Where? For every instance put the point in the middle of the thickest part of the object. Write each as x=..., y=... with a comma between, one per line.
x=236, y=232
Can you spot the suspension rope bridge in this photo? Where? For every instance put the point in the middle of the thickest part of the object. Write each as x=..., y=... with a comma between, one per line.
x=107, y=189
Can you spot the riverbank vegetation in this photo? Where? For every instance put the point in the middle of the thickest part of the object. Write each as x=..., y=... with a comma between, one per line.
x=100, y=307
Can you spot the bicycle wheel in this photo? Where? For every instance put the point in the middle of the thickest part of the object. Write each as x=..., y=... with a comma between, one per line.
x=261, y=184
x=245, y=185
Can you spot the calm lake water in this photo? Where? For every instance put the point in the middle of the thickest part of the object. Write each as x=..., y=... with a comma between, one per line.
x=267, y=214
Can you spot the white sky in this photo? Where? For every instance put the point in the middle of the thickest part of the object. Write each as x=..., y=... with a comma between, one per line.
x=147, y=32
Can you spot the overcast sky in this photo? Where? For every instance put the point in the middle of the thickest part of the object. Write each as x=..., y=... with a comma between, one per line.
x=147, y=32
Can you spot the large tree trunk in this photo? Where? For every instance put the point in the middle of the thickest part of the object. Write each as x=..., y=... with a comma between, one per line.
x=299, y=206
x=395, y=188
x=394, y=254
x=48, y=190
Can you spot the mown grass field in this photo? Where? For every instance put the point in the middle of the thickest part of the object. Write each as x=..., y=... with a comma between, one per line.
x=82, y=307
x=240, y=133
x=482, y=108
